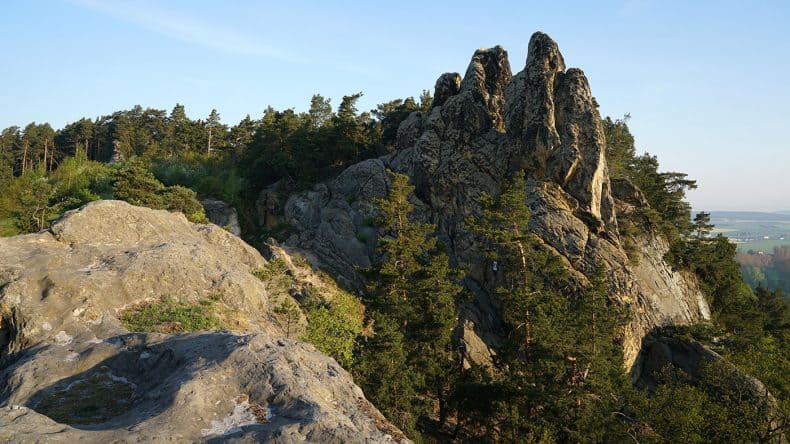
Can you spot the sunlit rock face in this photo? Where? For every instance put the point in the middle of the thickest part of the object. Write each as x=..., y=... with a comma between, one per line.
x=480, y=129
x=71, y=372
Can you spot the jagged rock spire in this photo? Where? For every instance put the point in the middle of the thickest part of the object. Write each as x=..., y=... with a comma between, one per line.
x=544, y=120
x=548, y=113
x=486, y=78
x=554, y=127
x=447, y=85
x=530, y=99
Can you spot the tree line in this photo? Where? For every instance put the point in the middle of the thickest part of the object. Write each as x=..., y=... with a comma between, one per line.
x=769, y=270
x=213, y=159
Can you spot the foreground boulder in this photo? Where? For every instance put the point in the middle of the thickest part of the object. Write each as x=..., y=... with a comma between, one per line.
x=70, y=369
x=150, y=387
x=76, y=279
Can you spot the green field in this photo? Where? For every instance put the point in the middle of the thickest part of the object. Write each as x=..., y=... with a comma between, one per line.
x=750, y=229
x=766, y=246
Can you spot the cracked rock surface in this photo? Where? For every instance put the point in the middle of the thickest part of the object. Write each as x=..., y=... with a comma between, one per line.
x=71, y=372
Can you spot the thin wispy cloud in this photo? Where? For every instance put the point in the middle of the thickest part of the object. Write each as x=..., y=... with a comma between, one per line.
x=179, y=25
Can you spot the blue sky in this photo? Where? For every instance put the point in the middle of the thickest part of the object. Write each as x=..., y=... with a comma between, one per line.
x=705, y=81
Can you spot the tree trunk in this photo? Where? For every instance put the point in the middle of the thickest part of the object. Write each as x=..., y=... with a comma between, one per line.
x=45, y=155
x=523, y=255
x=24, y=158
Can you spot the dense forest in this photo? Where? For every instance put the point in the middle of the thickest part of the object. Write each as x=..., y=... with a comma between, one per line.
x=770, y=270
x=558, y=377
x=46, y=172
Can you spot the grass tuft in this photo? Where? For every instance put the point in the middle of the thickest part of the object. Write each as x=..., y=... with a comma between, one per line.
x=172, y=316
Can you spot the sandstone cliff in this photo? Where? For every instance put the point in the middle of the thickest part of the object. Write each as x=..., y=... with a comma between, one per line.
x=481, y=127
x=70, y=370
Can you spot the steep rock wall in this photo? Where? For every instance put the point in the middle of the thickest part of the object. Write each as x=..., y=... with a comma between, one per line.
x=481, y=128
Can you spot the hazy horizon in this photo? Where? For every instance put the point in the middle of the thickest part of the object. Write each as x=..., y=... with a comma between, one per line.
x=700, y=81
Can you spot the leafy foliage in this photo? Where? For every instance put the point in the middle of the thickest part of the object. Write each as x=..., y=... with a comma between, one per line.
x=333, y=326
x=664, y=191
x=766, y=269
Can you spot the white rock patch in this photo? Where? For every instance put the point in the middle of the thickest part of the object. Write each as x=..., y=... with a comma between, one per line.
x=241, y=416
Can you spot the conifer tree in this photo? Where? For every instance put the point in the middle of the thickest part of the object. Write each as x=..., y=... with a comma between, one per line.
x=702, y=224
x=560, y=364
x=415, y=289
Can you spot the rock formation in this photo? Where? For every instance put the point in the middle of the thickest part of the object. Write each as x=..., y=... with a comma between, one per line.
x=70, y=371
x=481, y=128
x=222, y=214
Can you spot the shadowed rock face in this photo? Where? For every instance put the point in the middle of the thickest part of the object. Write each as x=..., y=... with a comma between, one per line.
x=70, y=371
x=222, y=214
x=194, y=387
x=480, y=129
x=188, y=388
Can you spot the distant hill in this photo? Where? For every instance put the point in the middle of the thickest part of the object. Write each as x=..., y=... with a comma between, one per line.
x=743, y=216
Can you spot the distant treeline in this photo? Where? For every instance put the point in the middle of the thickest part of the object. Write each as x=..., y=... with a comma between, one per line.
x=281, y=142
x=770, y=270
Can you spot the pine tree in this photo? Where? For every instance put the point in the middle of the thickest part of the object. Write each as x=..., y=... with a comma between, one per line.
x=559, y=362
x=702, y=224
x=385, y=374
x=416, y=289
x=212, y=124
x=133, y=183
x=320, y=111
x=527, y=270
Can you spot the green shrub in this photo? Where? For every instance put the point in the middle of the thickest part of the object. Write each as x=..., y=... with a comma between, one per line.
x=133, y=183
x=169, y=315
x=178, y=198
x=334, y=326
x=287, y=315
x=273, y=268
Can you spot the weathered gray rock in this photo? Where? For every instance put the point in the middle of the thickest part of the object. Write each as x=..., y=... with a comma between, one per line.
x=269, y=205
x=222, y=214
x=185, y=388
x=73, y=280
x=446, y=86
x=69, y=370
x=544, y=119
x=336, y=220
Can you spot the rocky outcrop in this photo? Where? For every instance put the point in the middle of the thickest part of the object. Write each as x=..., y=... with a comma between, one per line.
x=187, y=388
x=480, y=129
x=222, y=214
x=74, y=280
x=695, y=360
x=70, y=370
